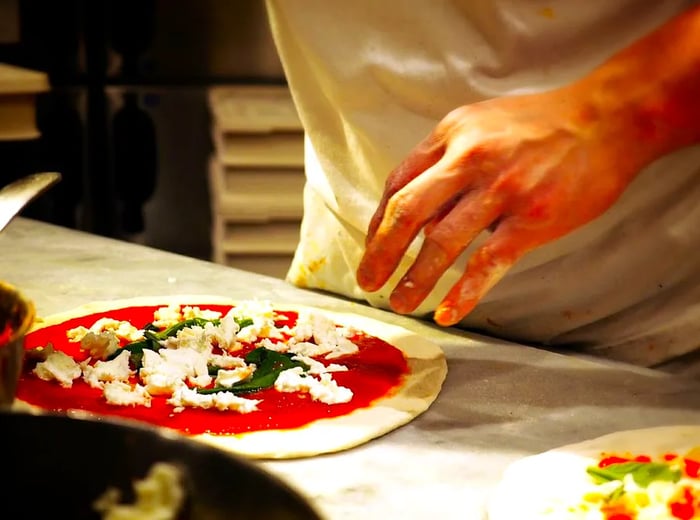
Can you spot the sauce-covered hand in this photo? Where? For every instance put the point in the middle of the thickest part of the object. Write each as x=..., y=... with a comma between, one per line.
x=529, y=168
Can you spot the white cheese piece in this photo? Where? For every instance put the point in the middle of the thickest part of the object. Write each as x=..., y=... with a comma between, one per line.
x=329, y=339
x=226, y=361
x=123, y=394
x=263, y=315
x=160, y=495
x=224, y=335
x=186, y=397
x=102, y=372
x=100, y=345
x=325, y=389
x=163, y=371
x=191, y=363
x=189, y=312
x=60, y=367
x=122, y=329
x=168, y=316
x=278, y=346
x=159, y=377
x=189, y=337
x=229, y=377
x=316, y=367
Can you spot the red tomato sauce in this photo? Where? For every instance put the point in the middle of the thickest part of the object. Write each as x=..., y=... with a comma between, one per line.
x=374, y=372
x=6, y=333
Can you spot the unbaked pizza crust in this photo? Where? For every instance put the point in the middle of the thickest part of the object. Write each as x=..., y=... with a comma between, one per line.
x=426, y=362
x=531, y=484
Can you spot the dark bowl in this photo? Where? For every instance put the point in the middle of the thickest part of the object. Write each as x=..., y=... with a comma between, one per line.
x=16, y=318
x=56, y=466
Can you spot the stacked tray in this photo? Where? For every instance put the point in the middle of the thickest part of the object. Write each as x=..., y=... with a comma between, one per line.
x=256, y=177
x=19, y=88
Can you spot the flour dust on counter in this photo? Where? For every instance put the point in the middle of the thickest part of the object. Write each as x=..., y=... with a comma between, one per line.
x=262, y=379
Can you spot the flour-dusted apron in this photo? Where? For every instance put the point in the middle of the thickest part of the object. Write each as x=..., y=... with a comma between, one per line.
x=371, y=79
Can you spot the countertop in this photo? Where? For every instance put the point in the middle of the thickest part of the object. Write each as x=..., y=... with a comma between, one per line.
x=500, y=401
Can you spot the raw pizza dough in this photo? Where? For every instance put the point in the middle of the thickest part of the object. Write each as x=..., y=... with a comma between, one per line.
x=426, y=362
x=551, y=479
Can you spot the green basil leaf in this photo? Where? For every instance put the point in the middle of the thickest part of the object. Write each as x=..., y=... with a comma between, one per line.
x=643, y=473
x=269, y=364
x=243, y=322
x=136, y=349
x=616, y=495
x=153, y=337
x=193, y=322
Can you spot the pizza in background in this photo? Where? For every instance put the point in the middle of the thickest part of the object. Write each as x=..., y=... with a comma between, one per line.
x=642, y=474
x=262, y=380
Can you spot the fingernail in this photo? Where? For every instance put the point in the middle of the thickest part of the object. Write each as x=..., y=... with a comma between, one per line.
x=445, y=316
x=397, y=302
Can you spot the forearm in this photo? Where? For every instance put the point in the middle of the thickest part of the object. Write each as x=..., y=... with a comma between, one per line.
x=650, y=92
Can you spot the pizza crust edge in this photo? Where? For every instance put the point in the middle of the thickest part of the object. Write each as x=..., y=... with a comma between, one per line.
x=426, y=361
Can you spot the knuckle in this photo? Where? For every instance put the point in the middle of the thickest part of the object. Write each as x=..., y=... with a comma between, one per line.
x=454, y=117
x=445, y=242
x=401, y=209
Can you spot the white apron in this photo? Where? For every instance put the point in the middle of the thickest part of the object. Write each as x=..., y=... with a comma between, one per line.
x=372, y=78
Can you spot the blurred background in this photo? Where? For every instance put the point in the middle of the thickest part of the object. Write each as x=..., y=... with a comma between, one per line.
x=128, y=120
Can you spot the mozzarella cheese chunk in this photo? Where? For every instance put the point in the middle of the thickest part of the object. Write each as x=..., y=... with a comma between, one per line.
x=316, y=335
x=59, y=367
x=106, y=371
x=229, y=377
x=316, y=367
x=184, y=397
x=123, y=394
x=99, y=345
x=160, y=495
x=324, y=389
x=122, y=329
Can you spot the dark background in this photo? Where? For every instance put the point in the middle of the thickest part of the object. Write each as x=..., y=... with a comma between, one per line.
x=126, y=121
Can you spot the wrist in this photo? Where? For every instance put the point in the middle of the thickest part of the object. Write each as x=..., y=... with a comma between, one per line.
x=647, y=97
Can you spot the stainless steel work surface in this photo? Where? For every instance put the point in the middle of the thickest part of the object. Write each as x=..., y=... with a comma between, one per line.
x=500, y=400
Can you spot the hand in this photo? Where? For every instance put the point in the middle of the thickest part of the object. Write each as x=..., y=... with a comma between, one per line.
x=529, y=168
x=532, y=168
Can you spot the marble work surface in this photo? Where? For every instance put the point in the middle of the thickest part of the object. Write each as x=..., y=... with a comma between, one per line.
x=500, y=401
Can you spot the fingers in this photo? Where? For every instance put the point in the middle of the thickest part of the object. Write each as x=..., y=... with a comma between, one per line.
x=444, y=241
x=422, y=157
x=484, y=269
x=406, y=212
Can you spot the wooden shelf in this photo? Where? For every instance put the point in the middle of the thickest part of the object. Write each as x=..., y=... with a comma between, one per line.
x=18, y=90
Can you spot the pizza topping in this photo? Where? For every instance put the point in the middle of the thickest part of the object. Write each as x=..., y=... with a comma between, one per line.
x=224, y=401
x=122, y=329
x=186, y=354
x=323, y=389
x=160, y=495
x=268, y=366
x=316, y=367
x=102, y=372
x=228, y=377
x=198, y=369
x=643, y=473
x=317, y=335
x=56, y=366
x=120, y=393
x=641, y=488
